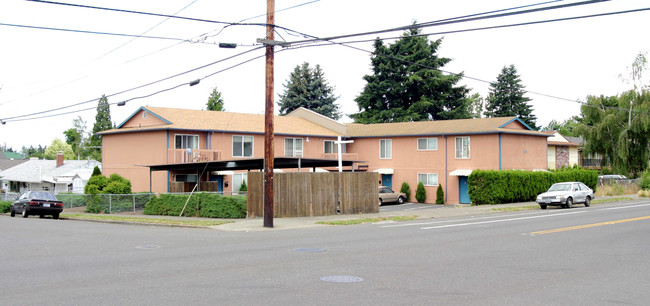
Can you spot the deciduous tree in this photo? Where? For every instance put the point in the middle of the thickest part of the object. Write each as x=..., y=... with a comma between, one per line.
x=56, y=146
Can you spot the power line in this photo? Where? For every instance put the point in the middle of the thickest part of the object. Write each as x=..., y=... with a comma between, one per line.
x=134, y=88
x=100, y=33
x=466, y=18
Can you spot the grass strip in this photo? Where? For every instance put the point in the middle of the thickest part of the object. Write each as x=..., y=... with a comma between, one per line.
x=516, y=208
x=113, y=218
x=366, y=220
x=608, y=200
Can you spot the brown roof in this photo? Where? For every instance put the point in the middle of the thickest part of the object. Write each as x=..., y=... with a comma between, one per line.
x=441, y=127
x=187, y=119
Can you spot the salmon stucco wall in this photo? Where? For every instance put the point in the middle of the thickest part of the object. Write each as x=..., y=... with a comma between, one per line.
x=523, y=152
x=127, y=153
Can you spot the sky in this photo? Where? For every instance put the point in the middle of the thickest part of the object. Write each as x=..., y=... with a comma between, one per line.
x=43, y=70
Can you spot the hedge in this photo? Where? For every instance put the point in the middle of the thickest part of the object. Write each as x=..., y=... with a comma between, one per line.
x=206, y=205
x=510, y=186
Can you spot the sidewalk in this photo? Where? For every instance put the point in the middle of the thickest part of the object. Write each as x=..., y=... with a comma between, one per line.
x=432, y=212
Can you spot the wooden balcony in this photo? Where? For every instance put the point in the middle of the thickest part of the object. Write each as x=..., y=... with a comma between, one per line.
x=178, y=156
x=345, y=156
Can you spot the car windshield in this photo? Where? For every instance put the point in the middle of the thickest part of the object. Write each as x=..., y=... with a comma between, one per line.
x=560, y=187
x=43, y=196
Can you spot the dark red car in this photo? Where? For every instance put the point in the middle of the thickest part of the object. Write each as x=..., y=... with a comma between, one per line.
x=37, y=203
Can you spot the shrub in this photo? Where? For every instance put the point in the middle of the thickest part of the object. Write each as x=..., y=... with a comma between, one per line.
x=207, y=205
x=96, y=184
x=420, y=193
x=96, y=171
x=440, y=195
x=645, y=180
x=644, y=193
x=243, y=186
x=5, y=206
x=406, y=189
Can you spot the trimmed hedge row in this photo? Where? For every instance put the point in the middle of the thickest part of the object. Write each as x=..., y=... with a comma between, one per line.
x=510, y=186
x=206, y=205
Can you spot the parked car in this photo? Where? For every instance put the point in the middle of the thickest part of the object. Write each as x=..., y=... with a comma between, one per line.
x=565, y=195
x=37, y=203
x=610, y=178
x=387, y=195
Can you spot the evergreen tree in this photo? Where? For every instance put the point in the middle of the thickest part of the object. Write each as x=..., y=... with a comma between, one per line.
x=308, y=88
x=506, y=98
x=440, y=195
x=215, y=101
x=102, y=123
x=407, y=84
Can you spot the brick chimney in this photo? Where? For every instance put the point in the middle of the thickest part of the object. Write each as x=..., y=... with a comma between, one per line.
x=59, y=159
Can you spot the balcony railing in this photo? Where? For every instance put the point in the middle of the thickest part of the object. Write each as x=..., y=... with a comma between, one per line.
x=591, y=162
x=177, y=156
x=345, y=156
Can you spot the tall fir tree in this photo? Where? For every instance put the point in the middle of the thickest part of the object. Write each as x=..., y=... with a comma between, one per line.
x=506, y=98
x=407, y=84
x=102, y=123
x=215, y=101
x=308, y=88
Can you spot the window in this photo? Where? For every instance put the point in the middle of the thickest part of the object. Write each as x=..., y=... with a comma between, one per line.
x=187, y=142
x=332, y=147
x=189, y=178
x=462, y=147
x=385, y=149
x=242, y=146
x=237, y=180
x=428, y=179
x=427, y=144
x=293, y=147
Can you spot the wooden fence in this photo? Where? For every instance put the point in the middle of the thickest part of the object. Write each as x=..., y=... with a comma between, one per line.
x=187, y=186
x=315, y=194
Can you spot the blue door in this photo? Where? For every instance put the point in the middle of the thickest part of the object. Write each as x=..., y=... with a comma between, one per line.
x=463, y=190
x=387, y=180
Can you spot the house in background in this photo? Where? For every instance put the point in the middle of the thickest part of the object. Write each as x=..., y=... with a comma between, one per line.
x=432, y=152
x=49, y=175
x=562, y=152
x=9, y=160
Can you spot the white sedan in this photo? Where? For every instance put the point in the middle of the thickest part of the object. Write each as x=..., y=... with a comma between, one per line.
x=565, y=194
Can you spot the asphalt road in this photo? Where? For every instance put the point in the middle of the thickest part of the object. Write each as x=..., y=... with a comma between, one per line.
x=581, y=256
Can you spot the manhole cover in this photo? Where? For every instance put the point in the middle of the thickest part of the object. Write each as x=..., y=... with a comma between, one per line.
x=342, y=279
x=309, y=250
x=148, y=246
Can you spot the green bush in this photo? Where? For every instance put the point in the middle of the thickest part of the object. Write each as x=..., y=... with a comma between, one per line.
x=243, y=186
x=96, y=184
x=509, y=186
x=206, y=205
x=440, y=195
x=4, y=206
x=645, y=180
x=406, y=189
x=96, y=171
x=420, y=193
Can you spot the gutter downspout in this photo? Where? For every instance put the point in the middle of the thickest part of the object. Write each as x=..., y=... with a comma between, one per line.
x=446, y=172
x=499, y=151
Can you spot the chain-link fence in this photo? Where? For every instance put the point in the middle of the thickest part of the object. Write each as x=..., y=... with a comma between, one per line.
x=108, y=203
x=9, y=196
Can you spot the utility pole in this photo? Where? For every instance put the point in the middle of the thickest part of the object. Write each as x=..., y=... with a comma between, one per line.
x=268, y=118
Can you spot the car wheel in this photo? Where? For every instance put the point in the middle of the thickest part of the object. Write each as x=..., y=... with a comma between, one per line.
x=587, y=201
x=55, y=216
x=41, y=216
x=380, y=202
x=12, y=212
x=569, y=203
x=400, y=200
x=542, y=206
x=25, y=212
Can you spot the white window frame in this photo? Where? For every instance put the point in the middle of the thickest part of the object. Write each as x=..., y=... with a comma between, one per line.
x=388, y=143
x=429, y=178
x=176, y=145
x=334, y=147
x=428, y=139
x=462, y=156
x=294, y=152
x=243, y=145
x=237, y=179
